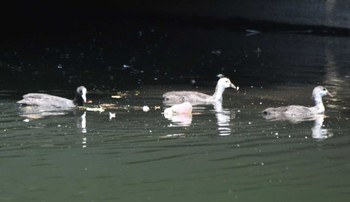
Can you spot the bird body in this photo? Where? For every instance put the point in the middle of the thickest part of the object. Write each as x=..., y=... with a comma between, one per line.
x=48, y=102
x=175, y=97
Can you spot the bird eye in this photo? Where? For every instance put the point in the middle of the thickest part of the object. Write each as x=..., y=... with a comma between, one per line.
x=324, y=89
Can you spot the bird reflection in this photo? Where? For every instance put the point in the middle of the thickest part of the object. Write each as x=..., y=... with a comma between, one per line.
x=179, y=114
x=81, y=123
x=286, y=117
x=179, y=119
x=223, y=117
x=317, y=130
x=35, y=112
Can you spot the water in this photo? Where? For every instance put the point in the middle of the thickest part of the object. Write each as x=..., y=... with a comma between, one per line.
x=228, y=154
x=221, y=153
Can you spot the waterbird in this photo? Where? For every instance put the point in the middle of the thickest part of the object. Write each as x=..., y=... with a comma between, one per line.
x=195, y=98
x=297, y=112
x=46, y=102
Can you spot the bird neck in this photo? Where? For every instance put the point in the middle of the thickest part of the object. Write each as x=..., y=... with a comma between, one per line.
x=218, y=93
x=319, y=104
x=78, y=100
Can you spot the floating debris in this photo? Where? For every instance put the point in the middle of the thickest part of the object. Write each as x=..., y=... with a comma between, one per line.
x=111, y=115
x=145, y=108
x=109, y=106
x=95, y=109
x=120, y=95
x=183, y=108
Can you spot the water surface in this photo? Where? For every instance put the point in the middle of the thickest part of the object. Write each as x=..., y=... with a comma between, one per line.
x=225, y=154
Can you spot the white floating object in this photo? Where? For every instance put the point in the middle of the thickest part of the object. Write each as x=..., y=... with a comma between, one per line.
x=26, y=120
x=183, y=108
x=111, y=115
x=96, y=109
x=145, y=108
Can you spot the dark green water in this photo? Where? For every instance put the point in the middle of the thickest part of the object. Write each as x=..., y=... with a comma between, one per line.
x=230, y=155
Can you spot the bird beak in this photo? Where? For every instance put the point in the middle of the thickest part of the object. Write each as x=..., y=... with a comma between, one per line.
x=84, y=97
x=233, y=86
x=328, y=93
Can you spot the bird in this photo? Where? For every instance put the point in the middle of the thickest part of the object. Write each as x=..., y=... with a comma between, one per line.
x=46, y=102
x=195, y=98
x=297, y=112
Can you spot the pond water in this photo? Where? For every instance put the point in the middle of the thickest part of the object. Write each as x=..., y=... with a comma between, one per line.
x=224, y=154
x=220, y=153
